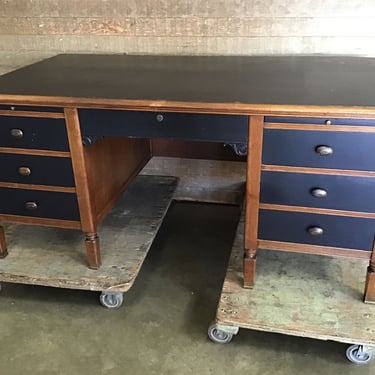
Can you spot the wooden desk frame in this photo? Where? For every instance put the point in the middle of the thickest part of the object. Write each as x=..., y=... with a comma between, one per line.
x=95, y=201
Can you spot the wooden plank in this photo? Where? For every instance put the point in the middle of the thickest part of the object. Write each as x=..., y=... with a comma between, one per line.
x=320, y=171
x=56, y=257
x=314, y=249
x=238, y=26
x=254, y=160
x=194, y=8
x=27, y=151
x=324, y=128
x=300, y=295
x=314, y=210
x=208, y=181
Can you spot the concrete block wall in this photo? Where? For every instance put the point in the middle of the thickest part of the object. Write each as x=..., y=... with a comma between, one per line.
x=32, y=29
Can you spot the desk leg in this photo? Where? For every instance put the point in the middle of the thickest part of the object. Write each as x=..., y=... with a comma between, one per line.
x=370, y=280
x=249, y=268
x=254, y=161
x=93, y=250
x=3, y=245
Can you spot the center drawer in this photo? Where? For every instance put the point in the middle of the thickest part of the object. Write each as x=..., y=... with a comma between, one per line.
x=38, y=170
x=36, y=203
x=184, y=126
x=319, y=149
x=316, y=229
x=350, y=193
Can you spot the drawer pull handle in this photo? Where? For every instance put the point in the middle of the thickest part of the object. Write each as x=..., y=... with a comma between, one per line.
x=324, y=150
x=159, y=117
x=318, y=193
x=24, y=171
x=328, y=122
x=16, y=133
x=315, y=231
x=31, y=206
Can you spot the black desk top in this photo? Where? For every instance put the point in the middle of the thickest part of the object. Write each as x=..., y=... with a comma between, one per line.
x=287, y=80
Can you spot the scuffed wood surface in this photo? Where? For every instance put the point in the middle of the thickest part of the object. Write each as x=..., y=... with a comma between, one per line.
x=57, y=257
x=300, y=295
x=210, y=181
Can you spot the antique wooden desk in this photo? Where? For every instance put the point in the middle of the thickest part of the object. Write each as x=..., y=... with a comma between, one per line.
x=76, y=129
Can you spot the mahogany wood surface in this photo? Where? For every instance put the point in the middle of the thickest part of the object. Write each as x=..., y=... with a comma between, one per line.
x=254, y=159
x=3, y=245
x=313, y=249
x=29, y=220
x=31, y=114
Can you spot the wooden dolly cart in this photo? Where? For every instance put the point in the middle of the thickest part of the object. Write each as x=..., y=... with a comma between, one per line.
x=300, y=297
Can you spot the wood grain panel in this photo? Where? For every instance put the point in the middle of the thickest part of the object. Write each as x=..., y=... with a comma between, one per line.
x=38, y=187
x=198, y=8
x=336, y=128
x=116, y=161
x=41, y=221
x=335, y=172
x=194, y=150
x=31, y=114
x=314, y=210
x=313, y=249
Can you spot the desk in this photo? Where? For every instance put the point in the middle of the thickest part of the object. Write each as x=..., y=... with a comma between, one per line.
x=76, y=129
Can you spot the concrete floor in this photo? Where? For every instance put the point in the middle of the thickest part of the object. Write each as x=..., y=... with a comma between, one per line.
x=161, y=328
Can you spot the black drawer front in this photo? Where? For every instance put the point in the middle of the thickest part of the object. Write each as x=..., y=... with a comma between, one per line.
x=354, y=151
x=339, y=231
x=39, y=170
x=36, y=133
x=321, y=121
x=30, y=108
x=215, y=128
x=300, y=189
x=52, y=205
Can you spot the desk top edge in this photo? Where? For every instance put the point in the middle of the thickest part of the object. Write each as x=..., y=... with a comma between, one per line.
x=219, y=84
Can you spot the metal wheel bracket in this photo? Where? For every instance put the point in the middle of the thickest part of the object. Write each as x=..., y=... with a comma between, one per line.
x=233, y=330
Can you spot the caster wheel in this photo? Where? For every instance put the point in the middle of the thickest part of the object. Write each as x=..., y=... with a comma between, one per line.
x=111, y=300
x=219, y=336
x=358, y=355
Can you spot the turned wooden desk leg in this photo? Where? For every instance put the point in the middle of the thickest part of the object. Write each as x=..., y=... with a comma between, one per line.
x=93, y=250
x=249, y=268
x=3, y=244
x=254, y=161
x=370, y=280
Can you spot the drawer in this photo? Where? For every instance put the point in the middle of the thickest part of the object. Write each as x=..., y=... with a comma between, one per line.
x=320, y=121
x=39, y=170
x=33, y=133
x=30, y=108
x=197, y=127
x=321, y=191
x=338, y=231
x=35, y=203
x=350, y=150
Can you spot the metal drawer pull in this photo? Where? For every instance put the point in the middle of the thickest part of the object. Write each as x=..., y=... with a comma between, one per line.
x=31, y=206
x=318, y=193
x=159, y=117
x=16, y=133
x=315, y=231
x=328, y=122
x=24, y=171
x=324, y=150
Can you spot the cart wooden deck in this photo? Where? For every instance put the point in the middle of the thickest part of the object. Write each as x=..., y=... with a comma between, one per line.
x=307, y=295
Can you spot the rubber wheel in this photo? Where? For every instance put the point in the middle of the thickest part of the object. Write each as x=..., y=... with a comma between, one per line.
x=357, y=355
x=111, y=300
x=219, y=336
